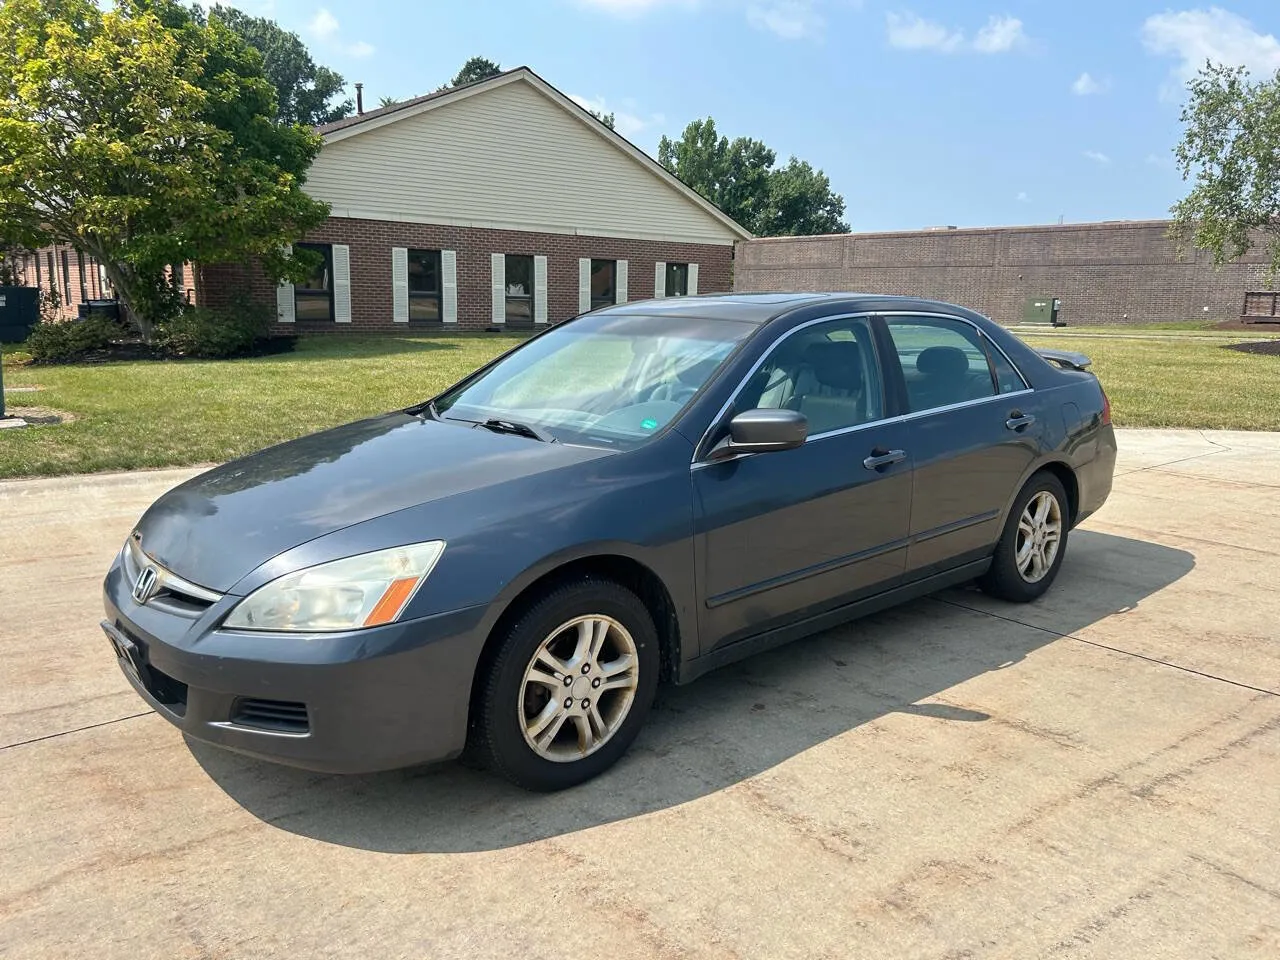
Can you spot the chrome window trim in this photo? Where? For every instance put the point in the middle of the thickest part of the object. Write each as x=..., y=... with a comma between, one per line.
x=901, y=418
x=167, y=579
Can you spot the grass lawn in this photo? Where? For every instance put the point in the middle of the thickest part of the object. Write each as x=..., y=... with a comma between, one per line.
x=156, y=414
x=1184, y=382
x=149, y=414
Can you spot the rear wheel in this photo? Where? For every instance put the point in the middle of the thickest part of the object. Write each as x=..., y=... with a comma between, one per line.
x=570, y=686
x=1034, y=541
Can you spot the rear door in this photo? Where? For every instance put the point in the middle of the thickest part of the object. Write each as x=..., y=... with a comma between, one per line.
x=975, y=429
x=791, y=533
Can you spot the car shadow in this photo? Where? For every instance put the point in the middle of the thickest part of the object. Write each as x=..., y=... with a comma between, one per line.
x=726, y=727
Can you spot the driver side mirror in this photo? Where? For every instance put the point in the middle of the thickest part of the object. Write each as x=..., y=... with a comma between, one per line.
x=762, y=431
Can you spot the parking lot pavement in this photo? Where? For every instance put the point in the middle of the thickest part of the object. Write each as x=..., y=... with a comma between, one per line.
x=1094, y=775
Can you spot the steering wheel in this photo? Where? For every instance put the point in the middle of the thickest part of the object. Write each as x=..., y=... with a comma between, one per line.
x=682, y=395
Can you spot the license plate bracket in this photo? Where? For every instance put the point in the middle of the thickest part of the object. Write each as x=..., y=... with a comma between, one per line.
x=126, y=651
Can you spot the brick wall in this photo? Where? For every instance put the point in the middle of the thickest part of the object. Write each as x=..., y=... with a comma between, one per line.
x=1124, y=272
x=370, y=243
x=81, y=281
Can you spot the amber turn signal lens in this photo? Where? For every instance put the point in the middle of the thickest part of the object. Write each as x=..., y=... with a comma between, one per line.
x=392, y=602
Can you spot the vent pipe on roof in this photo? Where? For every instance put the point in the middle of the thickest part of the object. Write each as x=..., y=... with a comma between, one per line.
x=359, y=99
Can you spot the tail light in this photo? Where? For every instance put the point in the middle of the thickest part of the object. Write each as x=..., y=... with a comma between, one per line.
x=1106, y=408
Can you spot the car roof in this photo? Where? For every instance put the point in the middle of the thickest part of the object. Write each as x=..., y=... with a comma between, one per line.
x=760, y=308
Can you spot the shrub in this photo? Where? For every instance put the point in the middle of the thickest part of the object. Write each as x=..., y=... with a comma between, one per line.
x=61, y=341
x=216, y=334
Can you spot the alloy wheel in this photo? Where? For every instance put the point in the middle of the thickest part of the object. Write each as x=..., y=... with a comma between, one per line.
x=578, y=688
x=1039, y=535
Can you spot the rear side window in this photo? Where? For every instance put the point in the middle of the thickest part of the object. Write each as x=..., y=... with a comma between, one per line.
x=1007, y=378
x=943, y=361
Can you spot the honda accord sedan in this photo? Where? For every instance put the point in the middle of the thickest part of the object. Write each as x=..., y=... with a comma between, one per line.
x=636, y=496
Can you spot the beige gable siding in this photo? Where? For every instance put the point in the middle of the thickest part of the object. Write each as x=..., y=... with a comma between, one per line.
x=507, y=158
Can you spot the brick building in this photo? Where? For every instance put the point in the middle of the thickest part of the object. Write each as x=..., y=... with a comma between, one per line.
x=67, y=278
x=1114, y=272
x=501, y=203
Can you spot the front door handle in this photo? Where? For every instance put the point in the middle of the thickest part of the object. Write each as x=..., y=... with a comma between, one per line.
x=883, y=458
x=1018, y=420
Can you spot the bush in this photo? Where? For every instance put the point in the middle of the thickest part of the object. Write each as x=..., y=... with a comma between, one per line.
x=61, y=341
x=216, y=334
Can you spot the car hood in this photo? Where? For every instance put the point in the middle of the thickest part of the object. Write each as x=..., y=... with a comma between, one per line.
x=217, y=527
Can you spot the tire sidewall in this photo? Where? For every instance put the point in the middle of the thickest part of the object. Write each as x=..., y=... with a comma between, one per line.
x=1004, y=580
x=508, y=751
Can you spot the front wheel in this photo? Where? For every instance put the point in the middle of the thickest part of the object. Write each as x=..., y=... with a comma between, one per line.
x=1034, y=541
x=570, y=686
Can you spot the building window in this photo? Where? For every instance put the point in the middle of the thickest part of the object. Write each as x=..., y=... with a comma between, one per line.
x=424, y=285
x=313, y=297
x=677, y=279
x=604, y=283
x=39, y=279
x=53, y=272
x=84, y=292
x=66, y=279
x=519, y=279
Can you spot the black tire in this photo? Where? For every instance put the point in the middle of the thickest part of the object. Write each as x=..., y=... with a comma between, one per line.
x=1004, y=580
x=498, y=740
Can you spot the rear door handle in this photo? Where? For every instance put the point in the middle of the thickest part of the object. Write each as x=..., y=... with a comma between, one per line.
x=1018, y=420
x=884, y=458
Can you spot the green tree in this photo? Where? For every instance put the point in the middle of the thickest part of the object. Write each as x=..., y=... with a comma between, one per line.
x=1231, y=147
x=739, y=177
x=387, y=101
x=605, y=118
x=305, y=91
x=144, y=137
x=477, y=68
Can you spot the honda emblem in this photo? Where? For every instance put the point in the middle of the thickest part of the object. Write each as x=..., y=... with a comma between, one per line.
x=145, y=587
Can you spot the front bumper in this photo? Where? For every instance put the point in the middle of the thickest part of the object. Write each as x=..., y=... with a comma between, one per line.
x=356, y=702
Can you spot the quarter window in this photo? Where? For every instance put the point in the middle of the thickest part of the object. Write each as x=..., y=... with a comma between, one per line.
x=1008, y=380
x=604, y=283
x=519, y=289
x=313, y=297
x=943, y=361
x=677, y=279
x=828, y=372
x=424, y=285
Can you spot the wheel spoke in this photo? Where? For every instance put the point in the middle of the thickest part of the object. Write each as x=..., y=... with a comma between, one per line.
x=585, y=734
x=1042, y=508
x=1025, y=526
x=554, y=664
x=597, y=721
x=545, y=716
x=1024, y=554
x=591, y=634
x=549, y=735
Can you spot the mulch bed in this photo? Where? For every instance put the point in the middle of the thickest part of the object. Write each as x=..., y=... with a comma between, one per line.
x=1269, y=348
x=137, y=350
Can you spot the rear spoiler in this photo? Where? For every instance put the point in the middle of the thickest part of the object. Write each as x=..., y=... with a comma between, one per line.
x=1066, y=359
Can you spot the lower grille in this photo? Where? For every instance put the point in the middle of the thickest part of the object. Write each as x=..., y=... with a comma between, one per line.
x=278, y=716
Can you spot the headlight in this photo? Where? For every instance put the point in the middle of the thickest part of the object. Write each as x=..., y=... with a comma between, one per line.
x=348, y=594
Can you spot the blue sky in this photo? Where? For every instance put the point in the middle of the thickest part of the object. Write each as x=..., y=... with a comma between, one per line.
x=922, y=113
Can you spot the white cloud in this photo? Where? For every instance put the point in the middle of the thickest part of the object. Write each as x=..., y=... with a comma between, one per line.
x=1000, y=35
x=1097, y=157
x=1022, y=197
x=323, y=25
x=1194, y=36
x=1158, y=160
x=788, y=19
x=910, y=32
x=325, y=28
x=627, y=123
x=1085, y=85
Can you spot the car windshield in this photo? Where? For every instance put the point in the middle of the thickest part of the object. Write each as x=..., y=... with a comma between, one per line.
x=613, y=380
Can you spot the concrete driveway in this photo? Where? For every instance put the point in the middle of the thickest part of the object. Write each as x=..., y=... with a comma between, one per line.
x=1095, y=775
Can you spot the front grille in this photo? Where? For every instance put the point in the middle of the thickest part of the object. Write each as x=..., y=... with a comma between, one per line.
x=172, y=594
x=279, y=716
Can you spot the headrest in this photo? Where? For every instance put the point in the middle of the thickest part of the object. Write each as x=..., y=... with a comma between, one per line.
x=836, y=364
x=948, y=362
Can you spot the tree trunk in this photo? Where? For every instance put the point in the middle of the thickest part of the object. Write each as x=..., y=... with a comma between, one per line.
x=122, y=279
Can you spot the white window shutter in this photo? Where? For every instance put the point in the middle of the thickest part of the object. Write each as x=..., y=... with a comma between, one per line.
x=498, y=281
x=284, y=293
x=341, y=283
x=584, y=284
x=660, y=279
x=620, y=281
x=539, y=289
x=449, y=286
x=693, y=279
x=400, y=284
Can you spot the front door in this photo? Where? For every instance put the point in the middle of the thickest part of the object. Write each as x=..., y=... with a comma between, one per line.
x=975, y=431
x=788, y=534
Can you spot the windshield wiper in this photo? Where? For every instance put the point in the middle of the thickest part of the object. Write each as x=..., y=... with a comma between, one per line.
x=520, y=429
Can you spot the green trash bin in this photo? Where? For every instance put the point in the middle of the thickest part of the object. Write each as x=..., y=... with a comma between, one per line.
x=19, y=312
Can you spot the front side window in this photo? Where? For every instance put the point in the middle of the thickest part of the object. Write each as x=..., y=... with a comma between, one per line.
x=600, y=380
x=677, y=279
x=604, y=283
x=519, y=289
x=313, y=297
x=828, y=372
x=943, y=361
x=424, y=285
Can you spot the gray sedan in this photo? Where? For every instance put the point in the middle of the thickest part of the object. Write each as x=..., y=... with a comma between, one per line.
x=636, y=496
